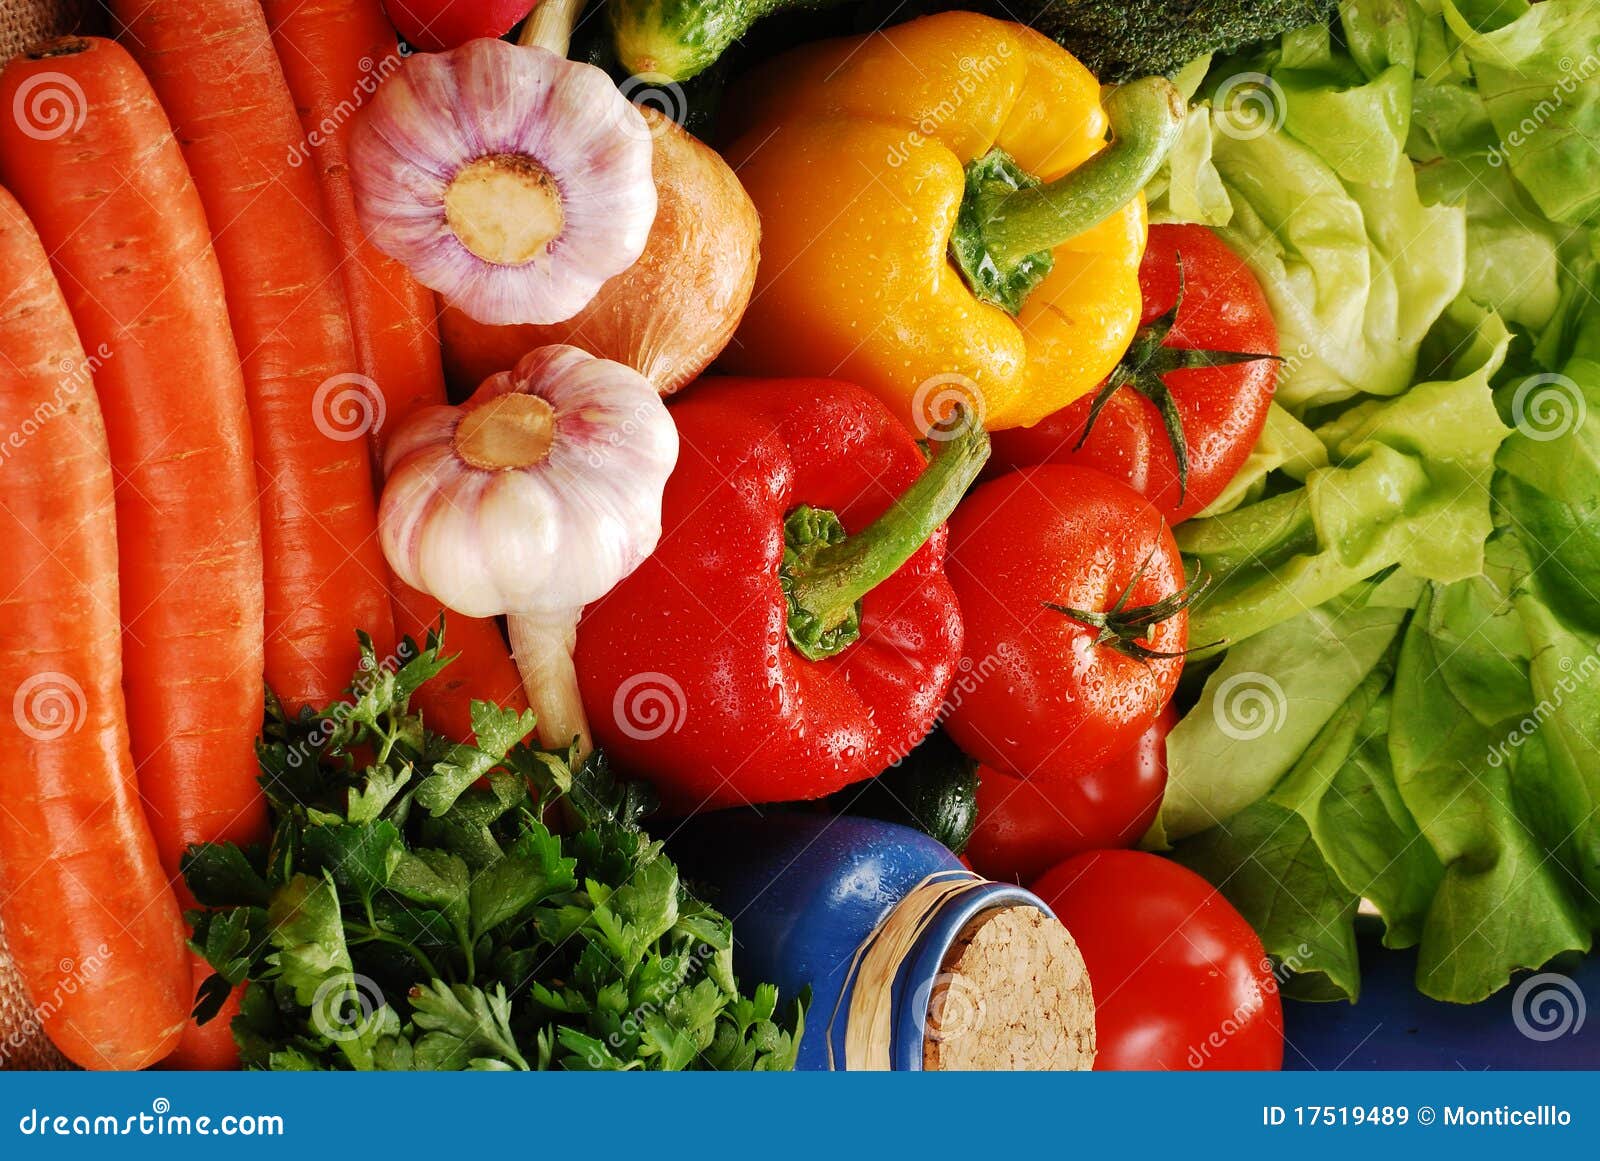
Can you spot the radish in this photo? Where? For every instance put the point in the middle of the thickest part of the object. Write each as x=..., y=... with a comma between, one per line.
x=437, y=25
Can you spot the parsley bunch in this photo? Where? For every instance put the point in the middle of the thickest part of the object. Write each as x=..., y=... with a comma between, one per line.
x=414, y=911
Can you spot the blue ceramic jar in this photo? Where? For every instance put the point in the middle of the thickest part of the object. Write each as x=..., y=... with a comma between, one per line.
x=804, y=892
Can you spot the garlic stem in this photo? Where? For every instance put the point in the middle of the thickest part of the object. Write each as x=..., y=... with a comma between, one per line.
x=542, y=644
x=550, y=25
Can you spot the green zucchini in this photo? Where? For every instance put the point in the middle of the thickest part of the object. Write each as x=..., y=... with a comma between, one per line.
x=934, y=789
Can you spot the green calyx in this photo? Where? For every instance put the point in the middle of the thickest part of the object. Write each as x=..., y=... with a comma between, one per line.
x=1126, y=627
x=807, y=533
x=1145, y=368
x=826, y=572
x=1010, y=223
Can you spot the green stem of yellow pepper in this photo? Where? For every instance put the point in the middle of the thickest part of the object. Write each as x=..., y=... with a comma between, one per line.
x=1010, y=222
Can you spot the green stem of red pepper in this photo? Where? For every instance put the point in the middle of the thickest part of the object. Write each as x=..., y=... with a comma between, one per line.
x=1009, y=222
x=826, y=573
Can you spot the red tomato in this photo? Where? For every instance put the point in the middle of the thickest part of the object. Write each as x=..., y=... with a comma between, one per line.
x=436, y=25
x=1028, y=825
x=1071, y=589
x=1180, y=979
x=1219, y=410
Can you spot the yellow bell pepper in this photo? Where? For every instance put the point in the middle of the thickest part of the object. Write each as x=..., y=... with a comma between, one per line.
x=932, y=224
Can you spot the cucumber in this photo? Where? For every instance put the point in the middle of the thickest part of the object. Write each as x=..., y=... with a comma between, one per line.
x=934, y=789
x=673, y=40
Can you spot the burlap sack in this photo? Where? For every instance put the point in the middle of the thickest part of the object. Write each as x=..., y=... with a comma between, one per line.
x=22, y=1043
x=24, y=23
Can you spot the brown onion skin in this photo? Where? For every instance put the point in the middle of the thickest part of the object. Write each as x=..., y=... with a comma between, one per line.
x=669, y=314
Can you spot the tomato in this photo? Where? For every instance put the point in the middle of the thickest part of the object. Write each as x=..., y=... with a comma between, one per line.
x=1028, y=825
x=437, y=25
x=1073, y=597
x=1180, y=980
x=1215, y=412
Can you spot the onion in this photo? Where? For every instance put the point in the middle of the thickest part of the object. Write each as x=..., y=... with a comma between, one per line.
x=669, y=314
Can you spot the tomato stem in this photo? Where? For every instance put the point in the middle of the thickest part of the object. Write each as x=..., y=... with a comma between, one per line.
x=1150, y=359
x=1125, y=626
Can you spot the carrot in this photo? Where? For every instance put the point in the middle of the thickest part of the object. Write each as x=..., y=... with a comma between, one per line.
x=207, y=1047
x=115, y=206
x=92, y=924
x=213, y=67
x=335, y=53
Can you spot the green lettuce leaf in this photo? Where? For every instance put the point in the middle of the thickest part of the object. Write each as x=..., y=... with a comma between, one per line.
x=1539, y=76
x=1407, y=484
x=1265, y=704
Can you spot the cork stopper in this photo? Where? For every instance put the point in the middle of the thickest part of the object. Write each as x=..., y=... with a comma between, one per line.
x=1013, y=996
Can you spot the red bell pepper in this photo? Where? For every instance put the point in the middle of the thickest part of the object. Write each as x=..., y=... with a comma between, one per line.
x=793, y=631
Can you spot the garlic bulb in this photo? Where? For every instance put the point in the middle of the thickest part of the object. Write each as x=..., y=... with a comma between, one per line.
x=532, y=499
x=671, y=313
x=510, y=180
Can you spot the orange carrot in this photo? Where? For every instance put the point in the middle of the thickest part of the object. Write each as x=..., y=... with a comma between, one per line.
x=214, y=69
x=118, y=213
x=335, y=53
x=92, y=924
x=207, y=1047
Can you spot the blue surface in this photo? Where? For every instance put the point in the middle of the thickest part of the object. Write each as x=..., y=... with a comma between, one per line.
x=840, y=1115
x=1542, y=1021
